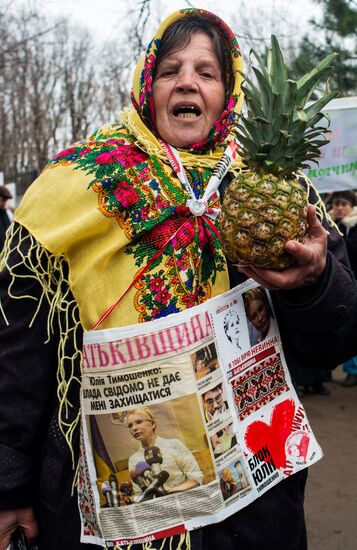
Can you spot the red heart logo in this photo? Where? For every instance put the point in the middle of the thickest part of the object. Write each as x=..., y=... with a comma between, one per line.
x=273, y=435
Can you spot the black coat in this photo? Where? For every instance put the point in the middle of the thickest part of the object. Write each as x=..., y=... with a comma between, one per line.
x=348, y=228
x=35, y=462
x=4, y=224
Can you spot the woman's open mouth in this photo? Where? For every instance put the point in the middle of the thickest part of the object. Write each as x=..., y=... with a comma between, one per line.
x=187, y=111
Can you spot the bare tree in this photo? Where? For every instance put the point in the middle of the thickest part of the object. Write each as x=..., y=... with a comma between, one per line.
x=55, y=87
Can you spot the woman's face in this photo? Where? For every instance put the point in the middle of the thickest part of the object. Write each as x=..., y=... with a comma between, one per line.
x=233, y=327
x=258, y=315
x=188, y=93
x=341, y=208
x=141, y=428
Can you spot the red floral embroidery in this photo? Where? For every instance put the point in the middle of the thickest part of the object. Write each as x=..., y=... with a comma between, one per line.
x=126, y=194
x=128, y=156
x=156, y=284
x=204, y=236
x=162, y=232
x=163, y=296
x=184, y=236
x=182, y=263
x=189, y=300
x=66, y=152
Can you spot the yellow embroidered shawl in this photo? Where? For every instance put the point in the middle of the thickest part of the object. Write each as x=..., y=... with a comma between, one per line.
x=109, y=205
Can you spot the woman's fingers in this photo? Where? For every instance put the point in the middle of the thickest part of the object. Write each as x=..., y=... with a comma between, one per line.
x=10, y=520
x=310, y=260
x=28, y=523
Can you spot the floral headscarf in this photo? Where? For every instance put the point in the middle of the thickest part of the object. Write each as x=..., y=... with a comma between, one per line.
x=142, y=93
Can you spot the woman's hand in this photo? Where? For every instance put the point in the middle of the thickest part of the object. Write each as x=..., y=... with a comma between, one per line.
x=11, y=519
x=310, y=259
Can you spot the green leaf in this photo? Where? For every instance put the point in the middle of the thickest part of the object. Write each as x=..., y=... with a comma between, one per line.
x=278, y=71
x=300, y=113
x=307, y=83
x=261, y=64
x=318, y=105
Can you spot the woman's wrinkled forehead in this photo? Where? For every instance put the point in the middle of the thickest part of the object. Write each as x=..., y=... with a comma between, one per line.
x=178, y=36
x=145, y=70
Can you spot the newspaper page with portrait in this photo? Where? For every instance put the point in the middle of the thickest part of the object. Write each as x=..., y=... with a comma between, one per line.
x=186, y=420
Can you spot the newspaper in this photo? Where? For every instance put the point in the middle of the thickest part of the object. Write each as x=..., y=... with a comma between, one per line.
x=186, y=420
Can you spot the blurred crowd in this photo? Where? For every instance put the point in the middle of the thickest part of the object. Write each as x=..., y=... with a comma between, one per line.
x=342, y=207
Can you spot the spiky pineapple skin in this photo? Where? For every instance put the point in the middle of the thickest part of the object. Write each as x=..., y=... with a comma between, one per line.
x=260, y=213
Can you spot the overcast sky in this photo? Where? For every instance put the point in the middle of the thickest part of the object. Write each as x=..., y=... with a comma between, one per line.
x=104, y=18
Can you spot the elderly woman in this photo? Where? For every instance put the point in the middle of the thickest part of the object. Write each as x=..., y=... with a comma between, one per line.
x=171, y=455
x=113, y=232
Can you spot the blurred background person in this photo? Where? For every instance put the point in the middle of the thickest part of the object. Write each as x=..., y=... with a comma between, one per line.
x=344, y=213
x=5, y=213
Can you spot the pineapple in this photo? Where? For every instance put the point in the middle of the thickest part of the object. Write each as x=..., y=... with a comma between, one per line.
x=266, y=204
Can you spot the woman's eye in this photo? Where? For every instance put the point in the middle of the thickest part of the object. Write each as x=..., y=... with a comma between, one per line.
x=207, y=72
x=167, y=72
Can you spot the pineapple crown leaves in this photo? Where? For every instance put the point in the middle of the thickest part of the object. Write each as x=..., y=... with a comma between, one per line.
x=278, y=133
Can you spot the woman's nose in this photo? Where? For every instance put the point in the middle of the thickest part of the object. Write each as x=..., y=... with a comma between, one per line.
x=186, y=80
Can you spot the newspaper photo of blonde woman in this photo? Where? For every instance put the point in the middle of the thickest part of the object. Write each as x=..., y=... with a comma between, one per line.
x=259, y=315
x=160, y=465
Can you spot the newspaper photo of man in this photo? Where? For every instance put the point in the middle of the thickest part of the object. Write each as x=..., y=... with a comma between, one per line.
x=160, y=466
x=214, y=403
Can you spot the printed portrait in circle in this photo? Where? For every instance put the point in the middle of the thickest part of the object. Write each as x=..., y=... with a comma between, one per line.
x=232, y=328
x=297, y=446
x=261, y=322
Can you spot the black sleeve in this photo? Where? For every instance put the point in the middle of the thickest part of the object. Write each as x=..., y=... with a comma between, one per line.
x=319, y=323
x=351, y=243
x=28, y=367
